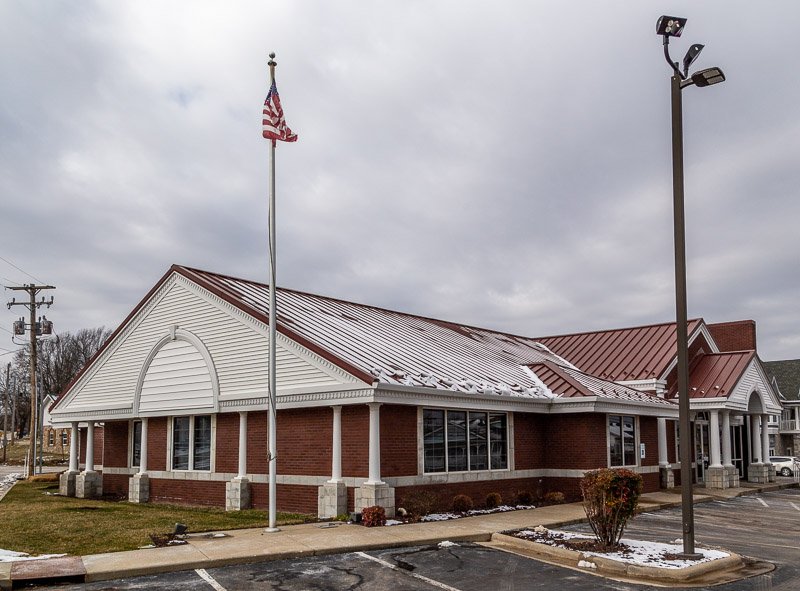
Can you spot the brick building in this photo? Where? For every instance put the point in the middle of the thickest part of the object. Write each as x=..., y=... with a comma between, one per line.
x=374, y=404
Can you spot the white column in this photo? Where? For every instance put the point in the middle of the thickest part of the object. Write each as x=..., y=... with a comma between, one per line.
x=713, y=438
x=73, y=448
x=663, y=457
x=143, y=448
x=765, y=439
x=242, y=444
x=726, y=438
x=90, y=448
x=336, y=460
x=374, y=443
x=755, y=439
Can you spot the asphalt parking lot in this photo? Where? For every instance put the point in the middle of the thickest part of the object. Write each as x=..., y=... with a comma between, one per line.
x=761, y=526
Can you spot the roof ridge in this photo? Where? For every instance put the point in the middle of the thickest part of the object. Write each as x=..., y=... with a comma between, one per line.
x=610, y=330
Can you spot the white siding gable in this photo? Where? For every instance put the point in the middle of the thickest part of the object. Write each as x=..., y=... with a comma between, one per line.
x=187, y=349
x=754, y=382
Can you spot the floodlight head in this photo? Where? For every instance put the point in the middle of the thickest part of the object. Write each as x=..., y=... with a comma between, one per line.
x=691, y=55
x=708, y=77
x=670, y=26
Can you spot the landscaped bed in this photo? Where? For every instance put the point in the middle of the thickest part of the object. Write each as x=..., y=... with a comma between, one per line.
x=36, y=520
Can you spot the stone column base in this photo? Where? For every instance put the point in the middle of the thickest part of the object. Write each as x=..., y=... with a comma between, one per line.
x=667, y=477
x=237, y=494
x=772, y=474
x=732, y=474
x=758, y=473
x=716, y=477
x=66, y=483
x=139, y=488
x=89, y=485
x=332, y=500
x=381, y=494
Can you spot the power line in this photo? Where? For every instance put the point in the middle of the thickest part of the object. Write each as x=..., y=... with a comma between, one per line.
x=20, y=270
x=7, y=280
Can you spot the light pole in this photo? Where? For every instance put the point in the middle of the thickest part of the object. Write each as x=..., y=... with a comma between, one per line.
x=670, y=26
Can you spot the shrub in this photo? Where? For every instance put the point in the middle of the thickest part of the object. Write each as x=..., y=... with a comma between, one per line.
x=493, y=500
x=419, y=502
x=524, y=497
x=373, y=516
x=554, y=498
x=610, y=497
x=462, y=503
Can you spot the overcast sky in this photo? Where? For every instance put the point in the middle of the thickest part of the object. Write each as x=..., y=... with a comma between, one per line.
x=503, y=164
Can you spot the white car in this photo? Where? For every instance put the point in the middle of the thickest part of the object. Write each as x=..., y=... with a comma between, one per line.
x=784, y=465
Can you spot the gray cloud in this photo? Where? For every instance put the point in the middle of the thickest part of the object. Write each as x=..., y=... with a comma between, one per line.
x=508, y=168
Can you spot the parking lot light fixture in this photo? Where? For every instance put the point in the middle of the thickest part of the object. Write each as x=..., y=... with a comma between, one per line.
x=669, y=26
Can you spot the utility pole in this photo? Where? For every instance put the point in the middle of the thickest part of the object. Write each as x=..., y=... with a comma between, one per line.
x=14, y=412
x=42, y=327
x=5, y=412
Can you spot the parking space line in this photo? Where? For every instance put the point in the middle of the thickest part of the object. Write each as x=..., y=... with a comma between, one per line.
x=402, y=570
x=795, y=506
x=762, y=501
x=209, y=579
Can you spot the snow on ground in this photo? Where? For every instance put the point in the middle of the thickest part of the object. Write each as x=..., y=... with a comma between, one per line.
x=635, y=552
x=11, y=556
x=448, y=516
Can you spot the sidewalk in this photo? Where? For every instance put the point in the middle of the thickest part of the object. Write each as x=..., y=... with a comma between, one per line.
x=254, y=545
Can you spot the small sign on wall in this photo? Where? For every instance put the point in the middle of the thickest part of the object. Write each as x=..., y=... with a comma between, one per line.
x=641, y=450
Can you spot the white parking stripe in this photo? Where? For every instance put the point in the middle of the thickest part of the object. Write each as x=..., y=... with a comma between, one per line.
x=795, y=506
x=415, y=575
x=762, y=501
x=209, y=579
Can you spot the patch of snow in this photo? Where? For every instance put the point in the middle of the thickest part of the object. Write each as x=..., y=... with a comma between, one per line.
x=393, y=522
x=447, y=544
x=585, y=564
x=634, y=551
x=11, y=556
x=440, y=517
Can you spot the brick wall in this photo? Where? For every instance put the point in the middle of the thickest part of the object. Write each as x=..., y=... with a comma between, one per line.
x=530, y=438
x=576, y=442
x=648, y=434
x=226, y=456
x=734, y=336
x=190, y=492
x=355, y=440
x=116, y=452
x=305, y=440
x=157, y=443
x=115, y=484
x=398, y=441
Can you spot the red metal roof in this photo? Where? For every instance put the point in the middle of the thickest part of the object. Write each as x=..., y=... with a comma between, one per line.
x=638, y=353
x=715, y=375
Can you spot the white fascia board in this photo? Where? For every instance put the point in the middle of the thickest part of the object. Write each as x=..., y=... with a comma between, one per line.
x=421, y=396
x=652, y=385
x=721, y=403
x=642, y=409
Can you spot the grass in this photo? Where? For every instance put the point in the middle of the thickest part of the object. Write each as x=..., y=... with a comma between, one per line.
x=36, y=521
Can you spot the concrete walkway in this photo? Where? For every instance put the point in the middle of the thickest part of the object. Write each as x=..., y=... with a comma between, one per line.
x=254, y=545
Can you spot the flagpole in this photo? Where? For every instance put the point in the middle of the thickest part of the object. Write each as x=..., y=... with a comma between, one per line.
x=272, y=414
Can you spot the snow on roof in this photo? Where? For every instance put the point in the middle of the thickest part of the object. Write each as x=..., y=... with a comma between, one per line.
x=406, y=350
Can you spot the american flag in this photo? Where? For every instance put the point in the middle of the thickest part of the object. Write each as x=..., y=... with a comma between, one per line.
x=275, y=127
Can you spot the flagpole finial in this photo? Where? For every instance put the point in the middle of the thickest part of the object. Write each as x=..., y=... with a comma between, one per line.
x=272, y=63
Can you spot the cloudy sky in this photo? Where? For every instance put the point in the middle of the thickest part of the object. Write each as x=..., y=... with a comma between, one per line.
x=502, y=164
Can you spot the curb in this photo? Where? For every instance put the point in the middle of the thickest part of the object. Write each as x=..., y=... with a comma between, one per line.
x=614, y=568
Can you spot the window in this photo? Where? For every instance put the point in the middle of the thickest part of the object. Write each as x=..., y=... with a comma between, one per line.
x=136, y=444
x=191, y=443
x=622, y=440
x=64, y=438
x=51, y=438
x=460, y=441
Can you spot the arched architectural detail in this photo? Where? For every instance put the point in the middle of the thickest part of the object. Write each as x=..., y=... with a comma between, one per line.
x=756, y=403
x=195, y=360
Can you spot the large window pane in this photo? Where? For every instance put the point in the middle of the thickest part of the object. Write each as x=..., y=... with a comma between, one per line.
x=136, y=452
x=478, y=450
x=180, y=443
x=498, y=439
x=629, y=440
x=202, y=443
x=456, y=441
x=433, y=437
x=615, y=439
